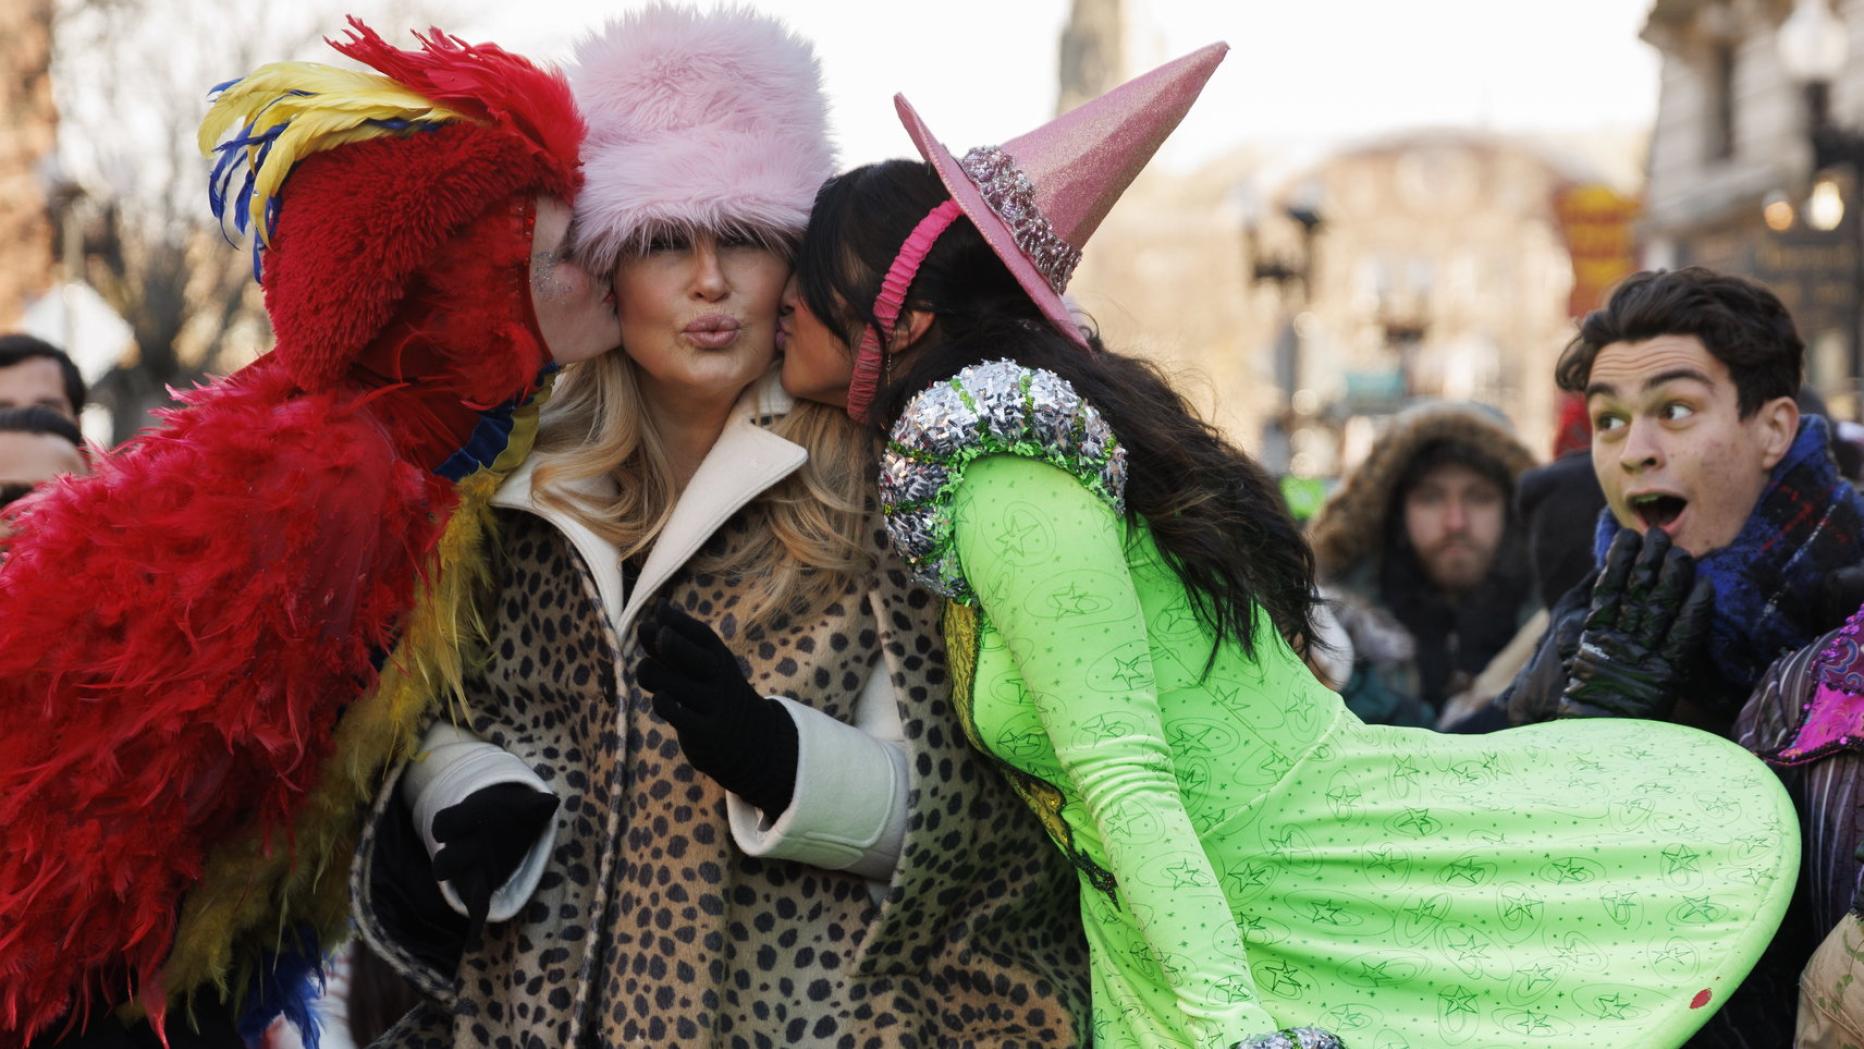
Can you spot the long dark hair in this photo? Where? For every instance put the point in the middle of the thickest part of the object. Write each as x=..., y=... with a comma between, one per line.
x=1216, y=516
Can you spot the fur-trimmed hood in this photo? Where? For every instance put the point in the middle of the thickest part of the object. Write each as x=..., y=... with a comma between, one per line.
x=698, y=120
x=1352, y=526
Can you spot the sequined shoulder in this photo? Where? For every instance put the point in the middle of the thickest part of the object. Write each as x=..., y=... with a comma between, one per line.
x=995, y=408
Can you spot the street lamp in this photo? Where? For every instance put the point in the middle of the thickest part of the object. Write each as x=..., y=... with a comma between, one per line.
x=1812, y=49
x=1813, y=46
x=1280, y=269
x=1285, y=272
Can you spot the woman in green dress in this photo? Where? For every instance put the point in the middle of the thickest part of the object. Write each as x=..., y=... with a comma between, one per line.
x=1127, y=609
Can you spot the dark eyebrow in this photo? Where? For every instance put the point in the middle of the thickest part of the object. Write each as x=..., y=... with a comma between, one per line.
x=1677, y=373
x=1653, y=382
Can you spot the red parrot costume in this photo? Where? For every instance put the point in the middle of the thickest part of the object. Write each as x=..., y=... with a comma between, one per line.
x=211, y=648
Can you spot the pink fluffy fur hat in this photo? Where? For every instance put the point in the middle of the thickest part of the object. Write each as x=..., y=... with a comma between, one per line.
x=698, y=120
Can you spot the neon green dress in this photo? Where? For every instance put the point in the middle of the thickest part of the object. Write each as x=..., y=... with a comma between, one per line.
x=1251, y=855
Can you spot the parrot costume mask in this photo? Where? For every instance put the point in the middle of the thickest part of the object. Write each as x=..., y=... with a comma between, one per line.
x=211, y=649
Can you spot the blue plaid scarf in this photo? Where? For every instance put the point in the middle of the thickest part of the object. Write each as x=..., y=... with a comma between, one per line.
x=1807, y=523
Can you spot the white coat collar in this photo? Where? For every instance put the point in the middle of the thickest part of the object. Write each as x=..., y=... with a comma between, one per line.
x=744, y=462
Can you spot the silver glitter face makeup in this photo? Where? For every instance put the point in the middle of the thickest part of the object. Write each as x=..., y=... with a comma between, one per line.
x=545, y=282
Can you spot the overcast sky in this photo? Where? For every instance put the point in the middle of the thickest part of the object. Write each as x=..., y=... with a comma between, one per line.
x=1300, y=71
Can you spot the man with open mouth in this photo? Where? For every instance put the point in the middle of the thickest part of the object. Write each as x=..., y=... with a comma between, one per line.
x=1726, y=522
x=1689, y=378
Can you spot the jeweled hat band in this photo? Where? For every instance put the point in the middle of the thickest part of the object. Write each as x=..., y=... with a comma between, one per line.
x=1012, y=195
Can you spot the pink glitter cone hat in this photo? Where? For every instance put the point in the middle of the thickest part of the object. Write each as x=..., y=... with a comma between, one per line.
x=1038, y=197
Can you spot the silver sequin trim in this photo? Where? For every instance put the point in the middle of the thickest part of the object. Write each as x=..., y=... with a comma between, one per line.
x=1012, y=196
x=996, y=407
x=905, y=481
x=1293, y=1038
x=938, y=418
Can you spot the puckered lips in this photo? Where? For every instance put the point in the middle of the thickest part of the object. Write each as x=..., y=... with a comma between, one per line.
x=1658, y=508
x=714, y=331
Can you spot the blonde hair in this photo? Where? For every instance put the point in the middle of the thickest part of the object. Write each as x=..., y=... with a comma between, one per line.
x=805, y=546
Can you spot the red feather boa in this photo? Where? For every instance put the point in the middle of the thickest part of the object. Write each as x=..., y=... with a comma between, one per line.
x=180, y=631
x=178, y=634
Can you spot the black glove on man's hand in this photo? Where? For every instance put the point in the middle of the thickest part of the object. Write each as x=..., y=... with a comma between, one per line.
x=1840, y=594
x=484, y=838
x=1648, y=623
x=729, y=732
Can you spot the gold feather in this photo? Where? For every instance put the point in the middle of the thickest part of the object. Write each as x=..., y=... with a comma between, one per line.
x=313, y=107
x=253, y=892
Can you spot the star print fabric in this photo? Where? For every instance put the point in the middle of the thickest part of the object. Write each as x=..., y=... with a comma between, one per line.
x=1274, y=863
x=1076, y=604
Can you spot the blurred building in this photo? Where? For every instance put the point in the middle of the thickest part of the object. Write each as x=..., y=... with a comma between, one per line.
x=1093, y=52
x=1307, y=305
x=1300, y=299
x=1754, y=161
x=1440, y=271
x=1166, y=276
x=28, y=121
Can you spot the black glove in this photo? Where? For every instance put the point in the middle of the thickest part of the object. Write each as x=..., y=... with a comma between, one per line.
x=1648, y=624
x=101, y=1031
x=206, y=1022
x=484, y=838
x=1539, y=689
x=1294, y=1038
x=1840, y=594
x=745, y=742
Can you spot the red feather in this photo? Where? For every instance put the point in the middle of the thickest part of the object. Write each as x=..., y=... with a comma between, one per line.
x=356, y=225
x=180, y=631
x=486, y=82
x=178, y=634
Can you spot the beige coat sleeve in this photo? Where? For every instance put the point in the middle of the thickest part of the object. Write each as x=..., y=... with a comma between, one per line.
x=451, y=764
x=848, y=811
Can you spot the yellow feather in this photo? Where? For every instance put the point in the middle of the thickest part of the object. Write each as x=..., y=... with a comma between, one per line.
x=253, y=892
x=321, y=106
x=284, y=87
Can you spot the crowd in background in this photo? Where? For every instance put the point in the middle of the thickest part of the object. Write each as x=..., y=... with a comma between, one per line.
x=1690, y=552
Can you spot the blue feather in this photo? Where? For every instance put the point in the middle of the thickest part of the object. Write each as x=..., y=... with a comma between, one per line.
x=290, y=983
x=490, y=435
x=258, y=246
x=236, y=160
x=241, y=157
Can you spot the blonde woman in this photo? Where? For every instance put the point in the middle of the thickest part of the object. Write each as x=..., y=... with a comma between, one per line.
x=765, y=830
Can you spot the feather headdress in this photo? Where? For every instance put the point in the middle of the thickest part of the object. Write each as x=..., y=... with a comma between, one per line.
x=372, y=215
x=213, y=647
x=289, y=110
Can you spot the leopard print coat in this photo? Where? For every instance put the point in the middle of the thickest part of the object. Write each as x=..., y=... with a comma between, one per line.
x=649, y=927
